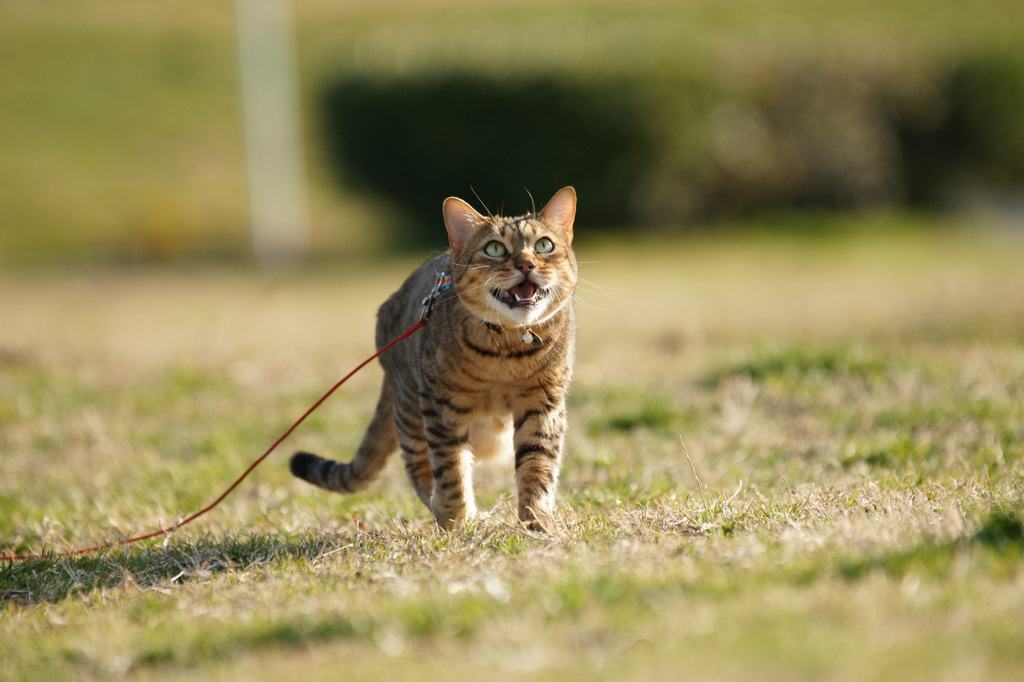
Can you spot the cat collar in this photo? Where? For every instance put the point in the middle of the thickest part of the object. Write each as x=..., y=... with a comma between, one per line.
x=529, y=337
x=442, y=283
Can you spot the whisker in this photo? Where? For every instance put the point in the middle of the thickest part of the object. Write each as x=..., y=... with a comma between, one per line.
x=533, y=205
x=486, y=285
x=482, y=203
x=602, y=294
x=598, y=286
x=587, y=304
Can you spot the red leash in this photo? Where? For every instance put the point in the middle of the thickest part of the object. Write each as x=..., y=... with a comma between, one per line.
x=190, y=519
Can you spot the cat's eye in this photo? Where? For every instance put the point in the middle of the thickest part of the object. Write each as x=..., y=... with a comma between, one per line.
x=495, y=249
x=544, y=245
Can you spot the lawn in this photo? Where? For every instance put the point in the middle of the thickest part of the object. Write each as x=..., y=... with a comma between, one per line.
x=789, y=458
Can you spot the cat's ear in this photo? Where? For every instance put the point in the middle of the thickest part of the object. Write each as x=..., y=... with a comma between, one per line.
x=460, y=219
x=561, y=211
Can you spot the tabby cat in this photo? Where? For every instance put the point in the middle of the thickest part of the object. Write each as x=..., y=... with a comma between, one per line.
x=487, y=375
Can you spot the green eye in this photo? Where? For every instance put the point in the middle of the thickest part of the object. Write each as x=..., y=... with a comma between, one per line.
x=495, y=249
x=544, y=245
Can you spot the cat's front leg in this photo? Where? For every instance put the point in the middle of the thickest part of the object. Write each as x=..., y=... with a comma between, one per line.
x=538, y=437
x=451, y=461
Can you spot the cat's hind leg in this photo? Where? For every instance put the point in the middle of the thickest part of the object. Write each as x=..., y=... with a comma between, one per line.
x=409, y=424
x=379, y=443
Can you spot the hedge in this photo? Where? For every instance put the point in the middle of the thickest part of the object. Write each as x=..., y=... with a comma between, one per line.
x=682, y=145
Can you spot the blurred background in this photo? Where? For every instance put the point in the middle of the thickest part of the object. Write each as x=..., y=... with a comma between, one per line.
x=186, y=129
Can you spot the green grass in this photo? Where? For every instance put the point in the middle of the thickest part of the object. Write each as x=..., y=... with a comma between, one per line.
x=848, y=504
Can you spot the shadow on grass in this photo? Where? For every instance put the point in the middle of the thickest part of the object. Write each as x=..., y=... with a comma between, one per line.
x=56, y=577
x=997, y=546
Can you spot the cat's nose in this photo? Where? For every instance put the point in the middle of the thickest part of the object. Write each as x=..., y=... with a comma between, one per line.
x=524, y=265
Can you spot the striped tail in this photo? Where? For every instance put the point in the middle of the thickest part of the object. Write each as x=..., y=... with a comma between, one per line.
x=325, y=473
x=379, y=443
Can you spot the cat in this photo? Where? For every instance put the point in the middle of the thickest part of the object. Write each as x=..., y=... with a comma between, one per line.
x=489, y=372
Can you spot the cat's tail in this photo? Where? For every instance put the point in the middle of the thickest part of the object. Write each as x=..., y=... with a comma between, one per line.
x=379, y=443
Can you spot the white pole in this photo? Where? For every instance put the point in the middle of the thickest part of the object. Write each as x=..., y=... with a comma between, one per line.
x=273, y=130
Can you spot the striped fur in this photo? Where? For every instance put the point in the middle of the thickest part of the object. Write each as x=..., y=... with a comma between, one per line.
x=468, y=386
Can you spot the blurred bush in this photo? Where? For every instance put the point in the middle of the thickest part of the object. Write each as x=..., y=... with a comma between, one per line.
x=419, y=140
x=969, y=132
x=672, y=145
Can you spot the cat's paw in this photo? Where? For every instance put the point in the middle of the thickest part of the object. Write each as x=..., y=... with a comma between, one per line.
x=537, y=520
x=450, y=517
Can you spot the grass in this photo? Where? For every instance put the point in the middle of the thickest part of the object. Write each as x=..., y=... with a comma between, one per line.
x=851, y=407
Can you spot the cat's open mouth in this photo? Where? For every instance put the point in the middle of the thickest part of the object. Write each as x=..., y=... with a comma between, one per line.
x=526, y=293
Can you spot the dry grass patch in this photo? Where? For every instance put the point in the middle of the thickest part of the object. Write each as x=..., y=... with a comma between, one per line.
x=848, y=504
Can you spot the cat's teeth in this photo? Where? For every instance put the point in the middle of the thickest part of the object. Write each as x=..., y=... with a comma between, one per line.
x=525, y=293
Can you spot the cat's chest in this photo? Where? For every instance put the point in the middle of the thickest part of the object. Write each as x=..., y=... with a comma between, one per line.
x=504, y=367
x=497, y=383
x=499, y=363
x=489, y=382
